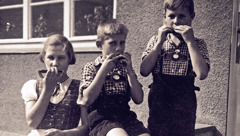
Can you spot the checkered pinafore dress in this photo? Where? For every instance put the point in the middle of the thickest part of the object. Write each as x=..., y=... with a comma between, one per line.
x=65, y=114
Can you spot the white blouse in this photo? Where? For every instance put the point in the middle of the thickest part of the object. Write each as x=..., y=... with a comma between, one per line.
x=29, y=91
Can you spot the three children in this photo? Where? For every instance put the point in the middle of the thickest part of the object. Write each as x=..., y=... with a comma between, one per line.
x=174, y=56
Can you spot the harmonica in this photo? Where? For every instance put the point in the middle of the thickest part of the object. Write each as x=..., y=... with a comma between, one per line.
x=42, y=72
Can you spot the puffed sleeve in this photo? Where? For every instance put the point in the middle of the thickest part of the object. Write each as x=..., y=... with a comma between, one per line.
x=29, y=91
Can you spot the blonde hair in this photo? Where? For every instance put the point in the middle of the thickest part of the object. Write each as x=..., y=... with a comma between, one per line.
x=58, y=40
x=174, y=4
x=108, y=28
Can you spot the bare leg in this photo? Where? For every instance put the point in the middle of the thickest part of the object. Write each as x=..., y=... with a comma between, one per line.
x=117, y=132
x=145, y=134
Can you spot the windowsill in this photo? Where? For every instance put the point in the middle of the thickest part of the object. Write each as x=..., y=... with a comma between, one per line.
x=37, y=47
x=80, y=44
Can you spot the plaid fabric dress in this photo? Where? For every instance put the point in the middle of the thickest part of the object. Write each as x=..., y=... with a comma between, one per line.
x=172, y=100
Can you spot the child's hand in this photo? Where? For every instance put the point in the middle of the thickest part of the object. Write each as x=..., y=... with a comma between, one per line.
x=113, y=59
x=51, y=78
x=186, y=32
x=53, y=132
x=125, y=58
x=110, y=62
x=162, y=33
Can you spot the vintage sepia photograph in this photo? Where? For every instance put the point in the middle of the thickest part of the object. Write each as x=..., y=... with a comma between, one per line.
x=119, y=68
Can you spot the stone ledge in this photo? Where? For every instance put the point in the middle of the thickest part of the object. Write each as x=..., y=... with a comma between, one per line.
x=204, y=128
x=200, y=130
x=4, y=133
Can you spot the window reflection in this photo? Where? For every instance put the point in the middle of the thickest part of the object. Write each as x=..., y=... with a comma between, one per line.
x=11, y=23
x=88, y=14
x=47, y=20
x=10, y=2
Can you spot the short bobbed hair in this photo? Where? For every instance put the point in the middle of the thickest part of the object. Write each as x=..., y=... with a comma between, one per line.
x=108, y=28
x=174, y=4
x=59, y=40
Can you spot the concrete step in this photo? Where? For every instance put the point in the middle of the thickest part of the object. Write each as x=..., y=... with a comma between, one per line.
x=204, y=130
x=4, y=133
x=200, y=130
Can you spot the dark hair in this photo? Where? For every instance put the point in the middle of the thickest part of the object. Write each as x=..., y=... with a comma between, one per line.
x=174, y=4
x=57, y=40
x=108, y=28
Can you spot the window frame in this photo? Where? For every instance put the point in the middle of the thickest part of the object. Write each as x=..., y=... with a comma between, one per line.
x=35, y=45
x=233, y=118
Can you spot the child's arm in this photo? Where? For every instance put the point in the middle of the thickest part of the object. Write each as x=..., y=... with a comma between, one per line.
x=91, y=93
x=135, y=86
x=150, y=60
x=200, y=66
x=79, y=131
x=84, y=115
x=35, y=110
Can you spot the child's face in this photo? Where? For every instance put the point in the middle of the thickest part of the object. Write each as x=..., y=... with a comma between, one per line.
x=180, y=16
x=113, y=44
x=56, y=57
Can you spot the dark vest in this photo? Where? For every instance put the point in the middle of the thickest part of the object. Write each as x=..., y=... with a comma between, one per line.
x=65, y=114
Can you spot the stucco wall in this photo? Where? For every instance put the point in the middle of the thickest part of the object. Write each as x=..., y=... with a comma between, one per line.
x=215, y=23
x=143, y=17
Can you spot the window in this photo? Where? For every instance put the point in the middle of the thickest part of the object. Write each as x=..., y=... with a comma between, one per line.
x=25, y=24
x=11, y=19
